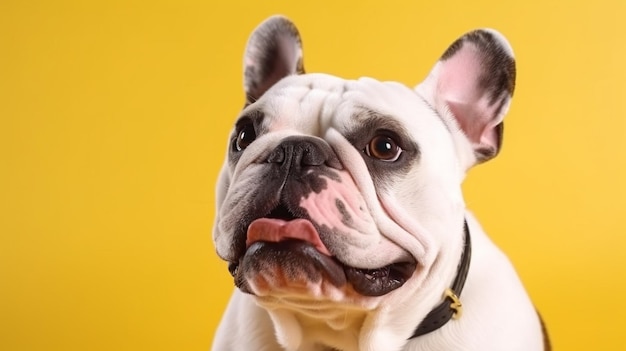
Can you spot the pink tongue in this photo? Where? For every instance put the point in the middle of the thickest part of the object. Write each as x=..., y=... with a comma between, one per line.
x=275, y=230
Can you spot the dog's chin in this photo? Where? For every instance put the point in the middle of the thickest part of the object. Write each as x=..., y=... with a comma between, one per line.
x=295, y=265
x=284, y=265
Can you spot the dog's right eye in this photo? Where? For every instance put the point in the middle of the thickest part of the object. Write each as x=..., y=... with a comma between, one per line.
x=245, y=136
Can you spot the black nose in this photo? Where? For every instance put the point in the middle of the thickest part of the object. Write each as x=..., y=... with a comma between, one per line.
x=299, y=151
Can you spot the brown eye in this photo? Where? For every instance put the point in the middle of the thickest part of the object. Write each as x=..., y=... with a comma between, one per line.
x=245, y=136
x=383, y=148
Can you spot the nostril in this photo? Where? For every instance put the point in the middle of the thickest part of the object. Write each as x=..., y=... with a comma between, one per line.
x=312, y=156
x=277, y=155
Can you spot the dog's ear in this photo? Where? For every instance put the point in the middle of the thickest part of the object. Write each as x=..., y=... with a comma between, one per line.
x=474, y=82
x=273, y=52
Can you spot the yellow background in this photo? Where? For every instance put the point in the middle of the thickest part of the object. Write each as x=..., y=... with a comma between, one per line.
x=113, y=123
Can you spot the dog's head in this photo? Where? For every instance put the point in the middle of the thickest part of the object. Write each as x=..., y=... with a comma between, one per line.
x=348, y=192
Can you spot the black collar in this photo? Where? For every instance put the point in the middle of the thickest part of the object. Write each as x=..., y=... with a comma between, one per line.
x=451, y=306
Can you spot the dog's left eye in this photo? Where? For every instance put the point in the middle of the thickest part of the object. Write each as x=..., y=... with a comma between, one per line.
x=245, y=136
x=383, y=148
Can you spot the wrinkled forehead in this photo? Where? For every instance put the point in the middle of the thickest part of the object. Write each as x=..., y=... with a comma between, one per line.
x=312, y=103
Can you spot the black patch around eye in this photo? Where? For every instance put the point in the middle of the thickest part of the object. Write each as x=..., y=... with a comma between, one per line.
x=374, y=128
x=247, y=128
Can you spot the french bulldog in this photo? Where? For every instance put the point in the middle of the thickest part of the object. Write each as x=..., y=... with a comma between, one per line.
x=340, y=211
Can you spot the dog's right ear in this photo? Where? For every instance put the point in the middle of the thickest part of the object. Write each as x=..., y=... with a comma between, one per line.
x=273, y=52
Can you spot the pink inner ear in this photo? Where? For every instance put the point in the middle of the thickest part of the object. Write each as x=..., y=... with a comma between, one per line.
x=459, y=89
x=473, y=83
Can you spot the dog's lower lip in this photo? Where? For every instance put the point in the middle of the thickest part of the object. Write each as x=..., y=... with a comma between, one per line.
x=367, y=282
x=377, y=282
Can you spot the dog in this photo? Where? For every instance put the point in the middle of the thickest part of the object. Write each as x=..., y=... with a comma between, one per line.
x=340, y=211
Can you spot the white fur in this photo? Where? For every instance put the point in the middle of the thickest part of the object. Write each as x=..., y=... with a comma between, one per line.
x=418, y=213
x=422, y=214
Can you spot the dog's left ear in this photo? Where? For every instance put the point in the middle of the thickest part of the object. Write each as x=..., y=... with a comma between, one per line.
x=273, y=52
x=474, y=82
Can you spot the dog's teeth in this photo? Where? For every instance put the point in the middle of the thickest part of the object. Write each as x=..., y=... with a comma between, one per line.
x=372, y=274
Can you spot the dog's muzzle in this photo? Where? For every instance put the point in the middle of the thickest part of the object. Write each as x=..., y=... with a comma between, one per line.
x=281, y=235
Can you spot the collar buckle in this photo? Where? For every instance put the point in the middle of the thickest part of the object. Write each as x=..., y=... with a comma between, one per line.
x=456, y=304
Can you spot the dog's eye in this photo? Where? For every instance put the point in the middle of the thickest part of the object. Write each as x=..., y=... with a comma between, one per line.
x=245, y=136
x=383, y=148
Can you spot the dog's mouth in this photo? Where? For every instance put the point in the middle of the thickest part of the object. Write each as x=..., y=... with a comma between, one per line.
x=287, y=240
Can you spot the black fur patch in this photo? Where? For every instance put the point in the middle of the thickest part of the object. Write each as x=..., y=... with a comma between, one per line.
x=371, y=123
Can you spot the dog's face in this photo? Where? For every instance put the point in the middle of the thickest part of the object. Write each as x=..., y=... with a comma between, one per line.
x=349, y=191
